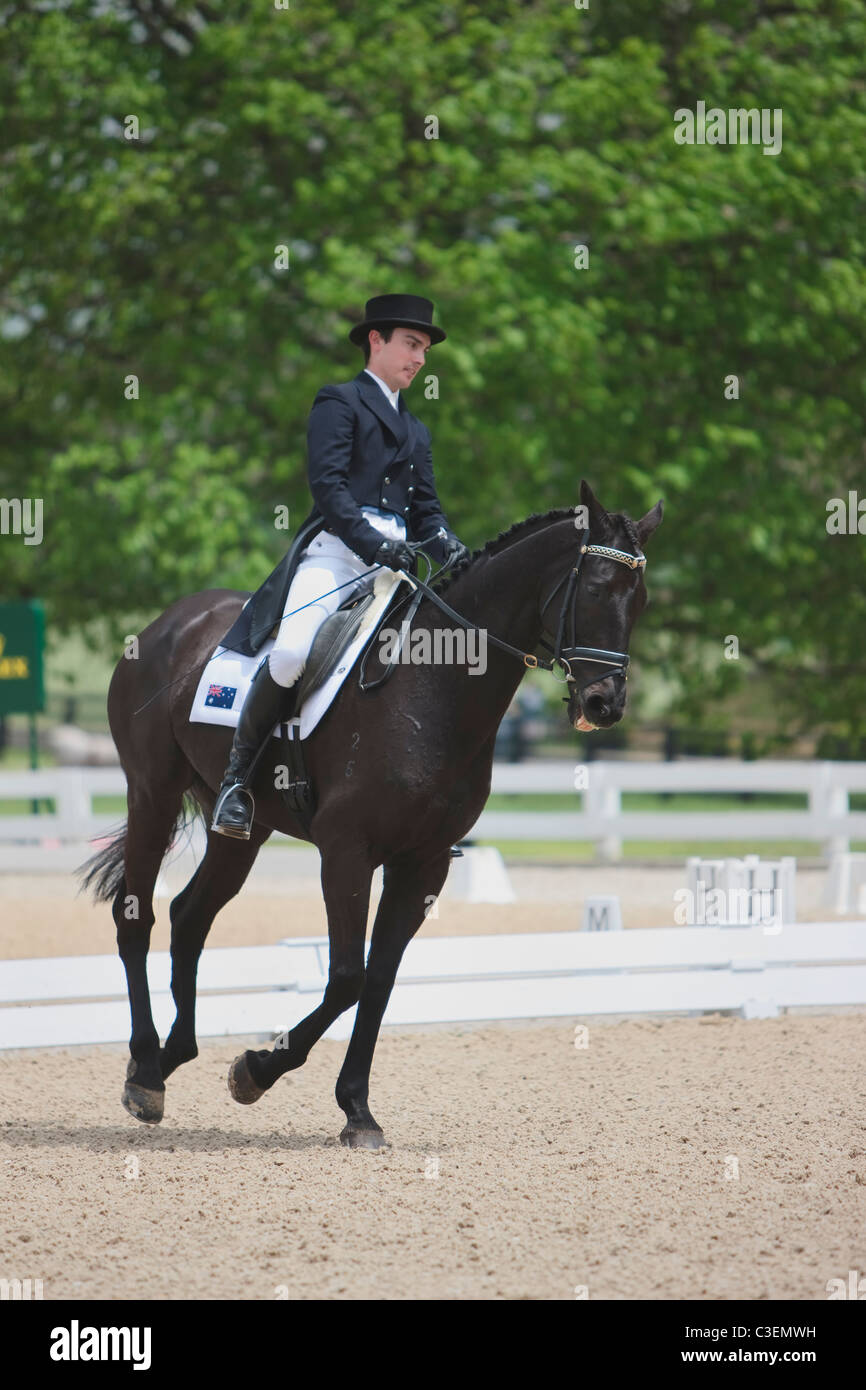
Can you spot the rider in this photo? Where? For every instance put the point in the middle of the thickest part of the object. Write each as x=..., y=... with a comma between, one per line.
x=371, y=475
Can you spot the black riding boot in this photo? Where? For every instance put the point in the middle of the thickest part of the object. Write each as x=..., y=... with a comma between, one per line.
x=266, y=703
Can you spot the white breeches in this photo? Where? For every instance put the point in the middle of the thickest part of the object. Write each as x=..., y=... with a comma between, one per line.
x=325, y=564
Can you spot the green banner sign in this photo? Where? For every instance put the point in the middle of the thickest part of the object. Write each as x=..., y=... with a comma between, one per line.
x=22, y=639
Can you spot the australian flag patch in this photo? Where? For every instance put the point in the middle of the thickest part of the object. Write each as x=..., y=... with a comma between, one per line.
x=221, y=696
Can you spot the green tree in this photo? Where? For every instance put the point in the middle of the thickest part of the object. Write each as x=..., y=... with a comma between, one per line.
x=310, y=128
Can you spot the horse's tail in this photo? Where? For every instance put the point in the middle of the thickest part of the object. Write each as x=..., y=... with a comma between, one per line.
x=102, y=873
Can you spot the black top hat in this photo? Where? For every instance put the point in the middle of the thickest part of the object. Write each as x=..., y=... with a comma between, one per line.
x=397, y=311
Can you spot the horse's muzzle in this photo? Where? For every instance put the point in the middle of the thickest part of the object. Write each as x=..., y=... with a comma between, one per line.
x=601, y=704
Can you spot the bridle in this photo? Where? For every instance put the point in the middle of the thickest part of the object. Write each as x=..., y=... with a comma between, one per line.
x=562, y=656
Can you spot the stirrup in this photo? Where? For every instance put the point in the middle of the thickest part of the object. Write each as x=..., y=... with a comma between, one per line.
x=237, y=821
x=235, y=808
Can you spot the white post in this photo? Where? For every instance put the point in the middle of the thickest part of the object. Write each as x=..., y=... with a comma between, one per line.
x=604, y=803
x=74, y=803
x=827, y=797
x=845, y=885
x=703, y=877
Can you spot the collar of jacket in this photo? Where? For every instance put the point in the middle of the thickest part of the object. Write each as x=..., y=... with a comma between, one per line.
x=400, y=424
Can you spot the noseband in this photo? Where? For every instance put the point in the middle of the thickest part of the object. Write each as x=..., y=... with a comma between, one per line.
x=564, y=656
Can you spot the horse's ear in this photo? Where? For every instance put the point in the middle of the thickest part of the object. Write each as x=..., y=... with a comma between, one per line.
x=648, y=523
x=595, y=511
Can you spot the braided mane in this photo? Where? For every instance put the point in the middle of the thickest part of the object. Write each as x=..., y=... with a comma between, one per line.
x=616, y=520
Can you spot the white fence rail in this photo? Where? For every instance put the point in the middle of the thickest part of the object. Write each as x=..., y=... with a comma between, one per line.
x=591, y=812
x=72, y=789
x=827, y=820
x=268, y=989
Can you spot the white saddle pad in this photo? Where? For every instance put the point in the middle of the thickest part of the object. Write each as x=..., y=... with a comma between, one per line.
x=226, y=677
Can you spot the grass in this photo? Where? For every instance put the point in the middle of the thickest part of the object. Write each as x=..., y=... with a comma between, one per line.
x=660, y=801
x=18, y=759
x=567, y=851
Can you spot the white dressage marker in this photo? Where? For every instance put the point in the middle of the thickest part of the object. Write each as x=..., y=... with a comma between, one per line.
x=479, y=877
x=846, y=883
x=602, y=913
x=741, y=892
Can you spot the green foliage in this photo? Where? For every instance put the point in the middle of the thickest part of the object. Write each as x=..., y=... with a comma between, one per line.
x=305, y=127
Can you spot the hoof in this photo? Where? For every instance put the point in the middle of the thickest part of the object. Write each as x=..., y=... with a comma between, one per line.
x=241, y=1084
x=363, y=1138
x=147, y=1106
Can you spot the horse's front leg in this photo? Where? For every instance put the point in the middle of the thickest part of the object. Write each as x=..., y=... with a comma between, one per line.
x=408, y=892
x=347, y=875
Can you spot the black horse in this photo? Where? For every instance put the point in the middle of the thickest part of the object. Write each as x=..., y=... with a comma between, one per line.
x=401, y=773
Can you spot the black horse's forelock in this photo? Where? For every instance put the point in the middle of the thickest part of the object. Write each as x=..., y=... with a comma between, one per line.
x=613, y=522
x=625, y=523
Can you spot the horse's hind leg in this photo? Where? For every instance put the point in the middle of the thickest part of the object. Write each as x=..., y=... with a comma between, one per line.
x=151, y=821
x=220, y=875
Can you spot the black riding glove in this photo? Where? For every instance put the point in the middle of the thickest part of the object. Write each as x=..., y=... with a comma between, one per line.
x=395, y=555
x=455, y=550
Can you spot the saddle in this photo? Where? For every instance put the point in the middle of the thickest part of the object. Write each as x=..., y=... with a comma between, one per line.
x=332, y=639
x=330, y=642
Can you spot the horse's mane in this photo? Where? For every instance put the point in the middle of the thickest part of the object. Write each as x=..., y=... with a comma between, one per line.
x=614, y=521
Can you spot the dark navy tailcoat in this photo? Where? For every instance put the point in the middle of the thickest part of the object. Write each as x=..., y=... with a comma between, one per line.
x=361, y=452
